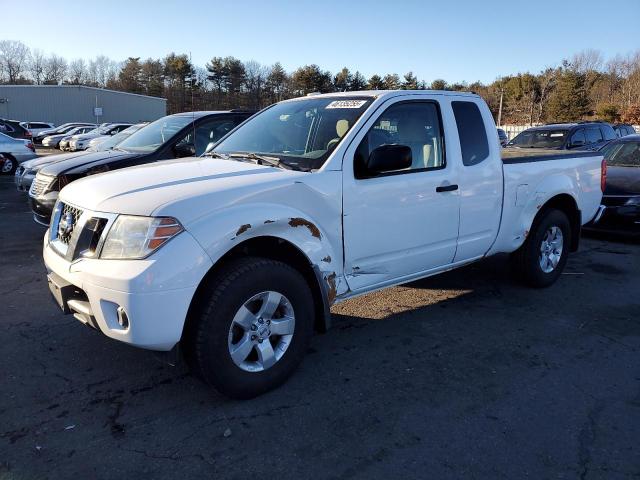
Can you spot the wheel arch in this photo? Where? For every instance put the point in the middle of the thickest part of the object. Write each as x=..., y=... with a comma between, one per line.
x=568, y=205
x=274, y=248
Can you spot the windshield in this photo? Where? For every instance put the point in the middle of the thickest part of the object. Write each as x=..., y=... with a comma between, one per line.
x=540, y=139
x=66, y=129
x=622, y=154
x=155, y=134
x=300, y=133
x=111, y=142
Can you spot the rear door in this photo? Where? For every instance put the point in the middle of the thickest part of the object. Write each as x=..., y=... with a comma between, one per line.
x=480, y=178
x=400, y=223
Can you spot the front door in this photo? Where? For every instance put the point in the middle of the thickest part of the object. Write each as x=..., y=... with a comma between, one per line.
x=399, y=223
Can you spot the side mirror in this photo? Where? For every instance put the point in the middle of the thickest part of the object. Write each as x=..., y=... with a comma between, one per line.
x=576, y=143
x=388, y=158
x=184, y=150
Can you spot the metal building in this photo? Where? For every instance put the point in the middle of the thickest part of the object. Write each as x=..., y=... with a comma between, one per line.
x=74, y=103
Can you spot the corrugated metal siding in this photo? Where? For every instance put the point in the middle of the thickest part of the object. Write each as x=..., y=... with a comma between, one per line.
x=70, y=103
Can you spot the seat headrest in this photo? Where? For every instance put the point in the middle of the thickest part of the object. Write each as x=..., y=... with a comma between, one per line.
x=341, y=127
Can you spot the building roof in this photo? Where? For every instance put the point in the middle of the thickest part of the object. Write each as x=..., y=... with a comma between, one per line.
x=81, y=87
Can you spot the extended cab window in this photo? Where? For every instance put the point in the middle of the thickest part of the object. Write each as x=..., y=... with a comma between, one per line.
x=472, y=132
x=412, y=124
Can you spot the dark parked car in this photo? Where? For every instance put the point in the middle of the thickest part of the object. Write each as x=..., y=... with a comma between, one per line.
x=502, y=135
x=13, y=129
x=624, y=129
x=174, y=136
x=620, y=210
x=565, y=136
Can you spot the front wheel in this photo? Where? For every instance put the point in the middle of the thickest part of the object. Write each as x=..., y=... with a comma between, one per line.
x=252, y=327
x=541, y=259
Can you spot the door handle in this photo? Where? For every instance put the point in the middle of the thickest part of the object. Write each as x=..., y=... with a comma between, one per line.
x=446, y=188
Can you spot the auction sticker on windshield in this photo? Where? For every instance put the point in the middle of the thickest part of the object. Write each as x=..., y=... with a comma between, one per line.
x=346, y=104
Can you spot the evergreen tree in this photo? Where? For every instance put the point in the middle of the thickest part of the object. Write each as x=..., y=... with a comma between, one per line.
x=375, y=83
x=569, y=101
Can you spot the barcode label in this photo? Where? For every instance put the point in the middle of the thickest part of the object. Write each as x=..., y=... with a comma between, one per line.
x=346, y=104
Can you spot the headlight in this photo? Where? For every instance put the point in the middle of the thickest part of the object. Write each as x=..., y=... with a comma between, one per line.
x=132, y=237
x=633, y=201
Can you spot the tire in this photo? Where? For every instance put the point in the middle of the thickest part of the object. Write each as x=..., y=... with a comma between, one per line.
x=528, y=260
x=246, y=285
x=8, y=159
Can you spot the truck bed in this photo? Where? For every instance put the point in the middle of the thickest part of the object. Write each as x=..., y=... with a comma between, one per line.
x=527, y=155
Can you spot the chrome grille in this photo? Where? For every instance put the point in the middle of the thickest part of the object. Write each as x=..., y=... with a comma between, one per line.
x=39, y=185
x=67, y=222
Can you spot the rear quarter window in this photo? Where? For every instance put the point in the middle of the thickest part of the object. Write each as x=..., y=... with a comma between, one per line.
x=471, y=131
x=594, y=135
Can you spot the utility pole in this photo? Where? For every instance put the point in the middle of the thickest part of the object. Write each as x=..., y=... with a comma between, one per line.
x=500, y=107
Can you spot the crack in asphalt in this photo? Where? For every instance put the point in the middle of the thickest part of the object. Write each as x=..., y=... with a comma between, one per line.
x=587, y=438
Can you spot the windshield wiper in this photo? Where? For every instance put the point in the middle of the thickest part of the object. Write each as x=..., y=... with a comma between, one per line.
x=215, y=155
x=262, y=159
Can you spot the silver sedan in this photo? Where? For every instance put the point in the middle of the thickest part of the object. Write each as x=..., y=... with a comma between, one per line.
x=15, y=151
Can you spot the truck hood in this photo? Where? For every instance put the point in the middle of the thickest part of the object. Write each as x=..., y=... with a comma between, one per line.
x=79, y=164
x=176, y=187
x=46, y=160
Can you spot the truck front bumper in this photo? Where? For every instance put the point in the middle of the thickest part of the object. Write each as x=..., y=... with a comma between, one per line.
x=140, y=302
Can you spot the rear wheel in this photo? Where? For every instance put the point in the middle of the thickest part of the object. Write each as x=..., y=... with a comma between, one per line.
x=541, y=259
x=252, y=327
x=9, y=165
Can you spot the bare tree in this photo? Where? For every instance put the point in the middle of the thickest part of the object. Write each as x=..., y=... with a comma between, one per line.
x=255, y=80
x=14, y=56
x=55, y=69
x=78, y=71
x=589, y=60
x=36, y=66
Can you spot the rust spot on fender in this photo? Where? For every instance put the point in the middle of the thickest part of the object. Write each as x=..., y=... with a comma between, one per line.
x=301, y=222
x=327, y=259
x=269, y=221
x=331, y=288
x=243, y=228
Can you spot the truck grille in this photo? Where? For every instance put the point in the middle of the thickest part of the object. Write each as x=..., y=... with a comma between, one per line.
x=67, y=222
x=39, y=185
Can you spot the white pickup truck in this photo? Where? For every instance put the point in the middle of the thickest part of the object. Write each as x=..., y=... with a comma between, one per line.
x=236, y=256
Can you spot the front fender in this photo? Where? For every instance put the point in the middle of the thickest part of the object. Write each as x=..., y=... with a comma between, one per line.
x=318, y=239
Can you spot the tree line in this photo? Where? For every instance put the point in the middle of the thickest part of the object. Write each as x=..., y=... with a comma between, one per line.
x=584, y=86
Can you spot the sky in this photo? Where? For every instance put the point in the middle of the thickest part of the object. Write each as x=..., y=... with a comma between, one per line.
x=460, y=40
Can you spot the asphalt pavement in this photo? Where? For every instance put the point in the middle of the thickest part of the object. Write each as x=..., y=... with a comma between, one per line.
x=463, y=375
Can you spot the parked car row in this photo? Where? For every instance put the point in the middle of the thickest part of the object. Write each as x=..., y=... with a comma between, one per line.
x=81, y=141
x=174, y=136
x=55, y=140
x=60, y=129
